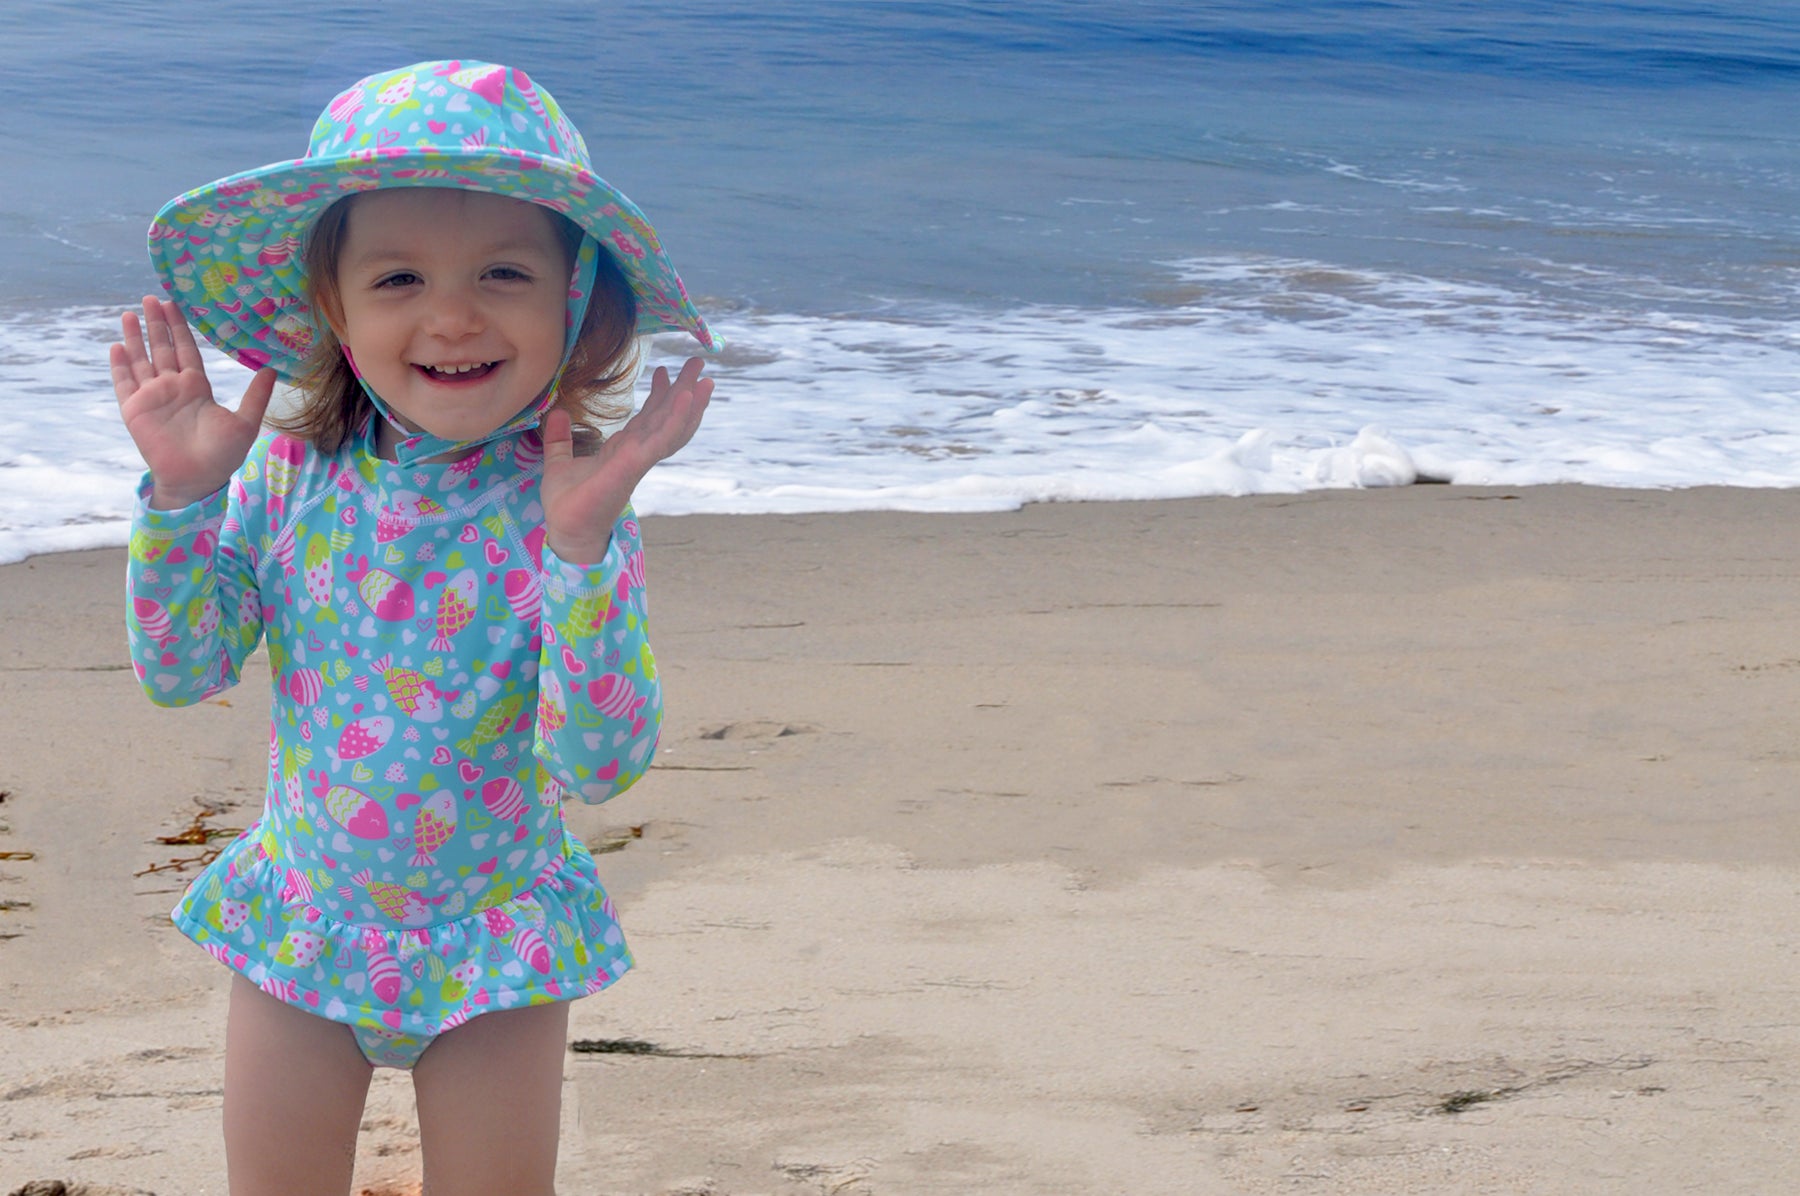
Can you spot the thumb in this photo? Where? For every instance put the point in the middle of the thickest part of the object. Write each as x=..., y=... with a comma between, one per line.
x=256, y=397
x=559, y=436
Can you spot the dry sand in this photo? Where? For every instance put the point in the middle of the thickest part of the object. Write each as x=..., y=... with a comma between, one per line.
x=1434, y=840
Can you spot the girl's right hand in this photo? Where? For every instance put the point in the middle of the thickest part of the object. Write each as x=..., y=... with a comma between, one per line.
x=191, y=444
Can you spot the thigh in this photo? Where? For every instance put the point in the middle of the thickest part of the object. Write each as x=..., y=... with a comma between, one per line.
x=294, y=1091
x=490, y=1103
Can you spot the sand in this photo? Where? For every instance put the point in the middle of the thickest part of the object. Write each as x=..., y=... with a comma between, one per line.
x=1434, y=840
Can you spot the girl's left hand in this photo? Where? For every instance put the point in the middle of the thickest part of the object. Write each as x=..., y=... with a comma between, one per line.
x=584, y=496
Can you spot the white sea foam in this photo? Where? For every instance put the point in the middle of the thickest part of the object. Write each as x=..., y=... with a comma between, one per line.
x=1258, y=377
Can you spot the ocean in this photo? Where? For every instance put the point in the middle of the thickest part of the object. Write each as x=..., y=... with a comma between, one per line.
x=974, y=255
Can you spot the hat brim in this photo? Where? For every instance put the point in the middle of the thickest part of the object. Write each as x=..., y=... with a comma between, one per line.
x=230, y=253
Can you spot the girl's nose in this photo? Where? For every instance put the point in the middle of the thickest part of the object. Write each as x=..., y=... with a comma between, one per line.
x=453, y=312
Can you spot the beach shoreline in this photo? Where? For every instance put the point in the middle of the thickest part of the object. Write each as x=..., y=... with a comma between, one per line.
x=1429, y=839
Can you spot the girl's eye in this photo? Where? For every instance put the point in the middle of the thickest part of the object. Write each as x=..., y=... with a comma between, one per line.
x=400, y=278
x=509, y=274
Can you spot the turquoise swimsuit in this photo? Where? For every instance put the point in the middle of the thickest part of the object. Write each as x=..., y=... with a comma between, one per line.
x=440, y=682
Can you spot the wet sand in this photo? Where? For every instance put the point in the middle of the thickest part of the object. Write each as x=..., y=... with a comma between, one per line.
x=1431, y=840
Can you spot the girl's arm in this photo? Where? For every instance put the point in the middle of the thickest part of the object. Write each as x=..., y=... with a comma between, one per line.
x=599, y=700
x=193, y=613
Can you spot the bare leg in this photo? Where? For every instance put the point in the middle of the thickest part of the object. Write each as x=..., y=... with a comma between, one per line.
x=490, y=1103
x=294, y=1091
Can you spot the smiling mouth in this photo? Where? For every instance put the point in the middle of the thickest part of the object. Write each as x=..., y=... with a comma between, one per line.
x=472, y=372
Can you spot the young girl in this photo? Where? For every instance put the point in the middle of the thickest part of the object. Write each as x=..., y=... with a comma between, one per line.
x=452, y=594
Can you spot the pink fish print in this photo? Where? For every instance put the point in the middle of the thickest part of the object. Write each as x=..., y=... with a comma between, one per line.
x=388, y=597
x=286, y=454
x=525, y=594
x=153, y=617
x=364, y=737
x=504, y=799
x=352, y=809
x=383, y=968
x=615, y=697
x=532, y=948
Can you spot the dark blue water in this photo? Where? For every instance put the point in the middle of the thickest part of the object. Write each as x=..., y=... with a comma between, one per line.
x=976, y=254
x=818, y=156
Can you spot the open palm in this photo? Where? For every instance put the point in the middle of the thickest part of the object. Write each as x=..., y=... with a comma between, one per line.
x=584, y=496
x=191, y=444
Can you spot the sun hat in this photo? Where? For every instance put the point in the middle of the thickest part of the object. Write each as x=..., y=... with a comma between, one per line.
x=229, y=253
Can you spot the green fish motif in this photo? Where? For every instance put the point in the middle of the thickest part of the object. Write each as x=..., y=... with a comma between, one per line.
x=589, y=614
x=218, y=279
x=147, y=548
x=498, y=895
x=493, y=723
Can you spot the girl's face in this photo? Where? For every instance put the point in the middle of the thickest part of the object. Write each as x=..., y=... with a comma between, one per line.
x=453, y=303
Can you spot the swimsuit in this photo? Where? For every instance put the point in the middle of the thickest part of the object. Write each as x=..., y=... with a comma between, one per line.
x=441, y=681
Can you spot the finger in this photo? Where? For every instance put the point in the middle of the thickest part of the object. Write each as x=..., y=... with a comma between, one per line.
x=661, y=388
x=688, y=404
x=559, y=437
x=690, y=372
x=131, y=331
x=124, y=380
x=691, y=397
x=137, y=348
x=692, y=412
x=256, y=398
x=158, y=337
x=187, y=352
x=659, y=384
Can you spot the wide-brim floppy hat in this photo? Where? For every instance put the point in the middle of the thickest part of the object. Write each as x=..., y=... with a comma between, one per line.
x=230, y=252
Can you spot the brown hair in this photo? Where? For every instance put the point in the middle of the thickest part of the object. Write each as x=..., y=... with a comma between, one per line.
x=602, y=364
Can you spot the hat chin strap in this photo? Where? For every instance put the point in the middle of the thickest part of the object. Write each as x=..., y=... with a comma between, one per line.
x=415, y=448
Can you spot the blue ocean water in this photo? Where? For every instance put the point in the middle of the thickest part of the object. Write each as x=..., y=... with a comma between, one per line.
x=975, y=254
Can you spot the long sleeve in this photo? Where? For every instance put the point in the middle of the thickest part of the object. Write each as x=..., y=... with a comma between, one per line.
x=599, y=701
x=193, y=612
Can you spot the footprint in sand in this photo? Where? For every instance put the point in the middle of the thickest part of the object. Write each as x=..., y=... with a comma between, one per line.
x=757, y=729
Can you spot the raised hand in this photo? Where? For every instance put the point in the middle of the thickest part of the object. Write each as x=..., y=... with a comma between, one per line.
x=191, y=444
x=584, y=496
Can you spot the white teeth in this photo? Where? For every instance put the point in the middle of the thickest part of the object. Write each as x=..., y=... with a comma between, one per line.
x=458, y=369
